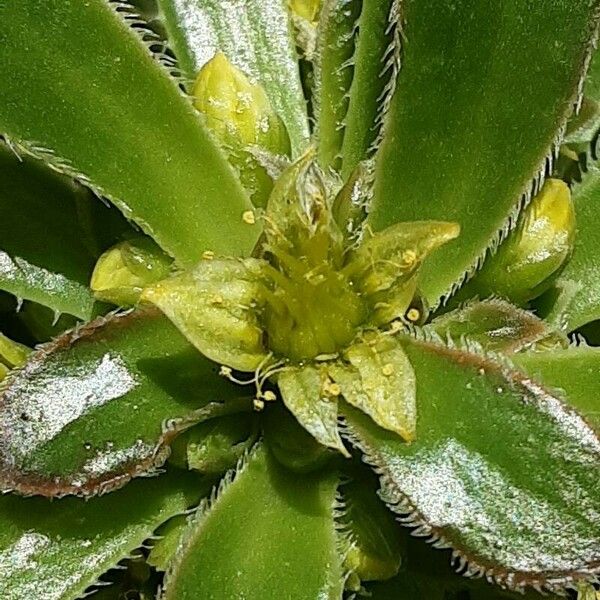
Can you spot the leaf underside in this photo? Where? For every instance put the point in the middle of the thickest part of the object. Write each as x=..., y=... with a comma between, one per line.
x=482, y=93
x=501, y=471
x=100, y=405
x=255, y=36
x=74, y=74
x=268, y=534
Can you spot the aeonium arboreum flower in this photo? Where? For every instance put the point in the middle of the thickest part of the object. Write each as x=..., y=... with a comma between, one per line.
x=316, y=311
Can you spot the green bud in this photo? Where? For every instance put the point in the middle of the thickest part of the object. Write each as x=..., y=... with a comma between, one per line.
x=533, y=255
x=240, y=115
x=124, y=270
x=215, y=446
x=350, y=205
x=12, y=354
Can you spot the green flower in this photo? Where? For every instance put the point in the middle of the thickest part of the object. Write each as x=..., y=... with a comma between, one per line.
x=316, y=311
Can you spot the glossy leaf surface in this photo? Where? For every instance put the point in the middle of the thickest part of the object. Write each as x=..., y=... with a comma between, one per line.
x=371, y=74
x=56, y=550
x=575, y=373
x=498, y=326
x=269, y=533
x=255, y=36
x=501, y=470
x=99, y=405
x=83, y=91
x=482, y=92
x=579, y=283
x=39, y=210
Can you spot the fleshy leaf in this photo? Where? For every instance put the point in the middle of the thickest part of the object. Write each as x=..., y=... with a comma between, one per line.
x=306, y=393
x=56, y=550
x=502, y=471
x=578, y=287
x=165, y=548
x=100, y=405
x=39, y=210
x=574, y=372
x=480, y=99
x=380, y=381
x=216, y=307
x=255, y=36
x=333, y=76
x=583, y=126
x=372, y=72
x=119, y=123
x=268, y=532
x=498, y=326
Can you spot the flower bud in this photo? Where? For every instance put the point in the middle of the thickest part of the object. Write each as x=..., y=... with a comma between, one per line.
x=533, y=255
x=12, y=354
x=124, y=270
x=240, y=115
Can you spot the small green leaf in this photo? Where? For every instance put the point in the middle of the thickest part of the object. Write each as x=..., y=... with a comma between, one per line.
x=56, y=550
x=90, y=99
x=480, y=99
x=372, y=72
x=501, y=470
x=12, y=354
x=165, y=548
x=333, y=77
x=255, y=36
x=579, y=285
x=498, y=326
x=380, y=381
x=305, y=392
x=216, y=307
x=100, y=405
x=40, y=209
x=269, y=534
x=574, y=372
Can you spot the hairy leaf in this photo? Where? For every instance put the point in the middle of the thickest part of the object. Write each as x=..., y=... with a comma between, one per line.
x=333, y=76
x=482, y=93
x=56, y=550
x=498, y=326
x=372, y=72
x=82, y=91
x=40, y=209
x=268, y=534
x=578, y=287
x=255, y=36
x=574, y=373
x=501, y=470
x=99, y=405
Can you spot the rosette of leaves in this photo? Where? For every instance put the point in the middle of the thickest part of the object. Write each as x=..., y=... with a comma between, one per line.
x=324, y=302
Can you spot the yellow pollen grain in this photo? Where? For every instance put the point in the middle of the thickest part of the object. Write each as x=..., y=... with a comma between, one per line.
x=269, y=396
x=334, y=389
x=217, y=299
x=208, y=255
x=413, y=315
x=409, y=257
x=249, y=217
x=388, y=369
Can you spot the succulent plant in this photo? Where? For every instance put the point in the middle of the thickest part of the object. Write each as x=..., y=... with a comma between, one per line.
x=284, y=283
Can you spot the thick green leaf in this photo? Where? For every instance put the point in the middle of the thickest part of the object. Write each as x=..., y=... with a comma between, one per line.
x=481, y=95
x=256, y=36
x=55, y=550
x=575, y=372
x=82, y=91
x=578, y=287
x=268, y=535
x=40, y=210
x=99, y=405
x=372, y=71
x=333, y=76
x=501, y=470
x=498, y=326
x=584, y=125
